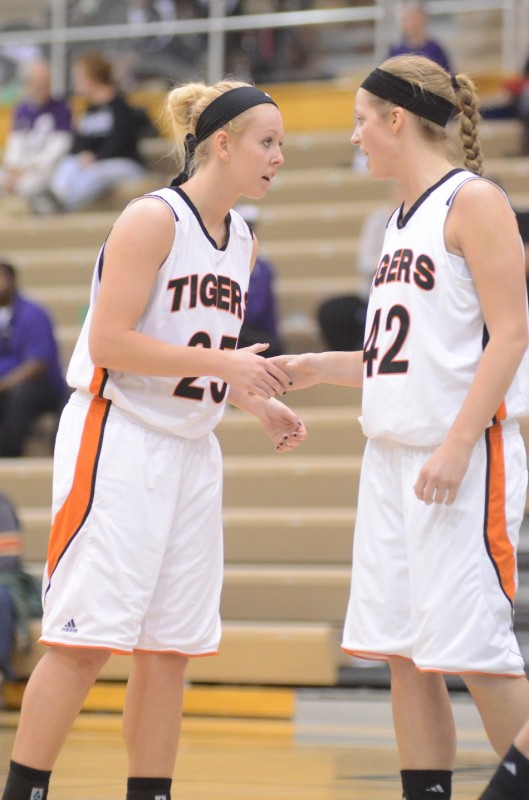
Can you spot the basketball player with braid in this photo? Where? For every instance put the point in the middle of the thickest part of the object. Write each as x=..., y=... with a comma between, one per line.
x=444, y=375
x=135, y=553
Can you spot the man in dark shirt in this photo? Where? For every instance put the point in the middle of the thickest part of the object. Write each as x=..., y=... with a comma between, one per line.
x=31, y=380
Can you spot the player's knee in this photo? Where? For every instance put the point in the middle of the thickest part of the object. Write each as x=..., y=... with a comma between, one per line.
x=87, y=662
x=170, y=662
x=401, y=666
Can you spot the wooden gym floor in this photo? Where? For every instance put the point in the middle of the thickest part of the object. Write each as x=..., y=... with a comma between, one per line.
x=338, y=745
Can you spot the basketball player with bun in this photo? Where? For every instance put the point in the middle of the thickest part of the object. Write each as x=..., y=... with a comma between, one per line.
x=135, y=552
x=444, y=374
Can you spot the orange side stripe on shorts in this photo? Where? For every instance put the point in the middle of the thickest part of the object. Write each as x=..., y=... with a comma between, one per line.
x=497, y=540
x=73, y=512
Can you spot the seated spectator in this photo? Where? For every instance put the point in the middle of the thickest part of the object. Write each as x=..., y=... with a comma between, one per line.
x=31, y=379
x=40, y=136
x=19, y=592
x=105, y=151
x=415, y=39
x=260, y=320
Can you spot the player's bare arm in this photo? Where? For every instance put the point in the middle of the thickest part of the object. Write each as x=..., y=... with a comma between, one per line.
x=485, y=229
x=495, y=258
x=336, y=367
x=137, y=246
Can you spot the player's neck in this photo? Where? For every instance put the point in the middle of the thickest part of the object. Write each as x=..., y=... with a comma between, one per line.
x=414, y=185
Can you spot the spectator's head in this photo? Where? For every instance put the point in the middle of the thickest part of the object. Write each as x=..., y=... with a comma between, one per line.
x=8, y=283
x=37, y=82
x=413, y=23
x=92, y=74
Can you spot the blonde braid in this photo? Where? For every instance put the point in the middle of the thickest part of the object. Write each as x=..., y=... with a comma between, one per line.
x=467, y=101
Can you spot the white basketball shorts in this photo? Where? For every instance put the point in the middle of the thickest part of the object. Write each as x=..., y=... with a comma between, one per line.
x=135, y=556
x=436, y=584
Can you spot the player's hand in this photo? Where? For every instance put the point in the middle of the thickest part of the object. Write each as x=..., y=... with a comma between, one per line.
x=302, y=370
x=283, y=426
x=440, y=477
x=247, y=370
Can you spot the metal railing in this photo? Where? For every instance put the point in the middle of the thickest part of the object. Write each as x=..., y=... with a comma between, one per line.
x=514, y=29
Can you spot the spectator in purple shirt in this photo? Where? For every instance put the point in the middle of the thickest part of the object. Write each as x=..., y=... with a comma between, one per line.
x=31, y=379
x=40, y=136
x=414, y=29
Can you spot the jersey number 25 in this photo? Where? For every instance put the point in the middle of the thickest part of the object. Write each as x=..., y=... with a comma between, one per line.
x=187, y=387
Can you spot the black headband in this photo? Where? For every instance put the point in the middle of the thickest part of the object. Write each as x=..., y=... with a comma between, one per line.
x=220, y=111
x=227, y=106
x=403, y=93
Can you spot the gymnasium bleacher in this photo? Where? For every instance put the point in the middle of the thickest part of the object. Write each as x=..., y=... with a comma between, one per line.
x=289, y=518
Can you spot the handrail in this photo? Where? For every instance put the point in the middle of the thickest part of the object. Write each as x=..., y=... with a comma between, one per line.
x=216, y=25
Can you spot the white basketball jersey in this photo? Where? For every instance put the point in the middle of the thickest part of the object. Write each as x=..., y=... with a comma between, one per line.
x=198, y=300
x=425, y=331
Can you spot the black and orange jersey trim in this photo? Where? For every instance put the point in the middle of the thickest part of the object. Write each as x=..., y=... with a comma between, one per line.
x=98, y=382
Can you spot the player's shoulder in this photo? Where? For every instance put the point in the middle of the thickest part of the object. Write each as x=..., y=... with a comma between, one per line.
x=479, y=195
x=146, y=219
x=476, y=186
x=148, y=209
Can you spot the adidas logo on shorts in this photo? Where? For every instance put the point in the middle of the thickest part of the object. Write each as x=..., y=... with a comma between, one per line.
x=438, y=788
x=37, y=793
x=510, y=766
x=69, y=628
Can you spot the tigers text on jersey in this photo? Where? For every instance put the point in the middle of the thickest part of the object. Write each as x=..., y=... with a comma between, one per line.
x=425, y=329
x=198, y=300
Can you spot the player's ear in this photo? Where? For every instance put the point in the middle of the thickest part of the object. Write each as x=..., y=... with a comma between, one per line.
x=397, y=118
x=222, y=145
